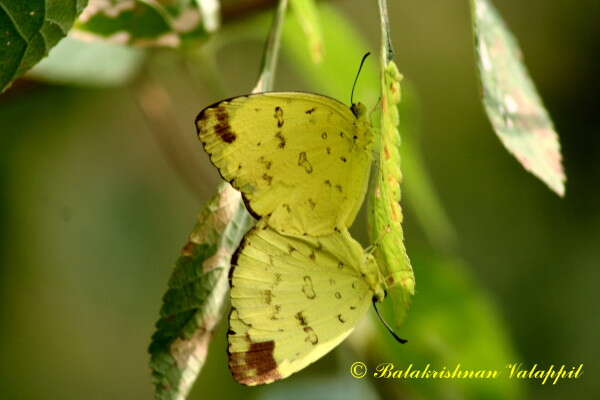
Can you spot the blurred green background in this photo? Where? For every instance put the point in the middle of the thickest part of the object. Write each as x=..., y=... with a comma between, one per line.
x=97, y=201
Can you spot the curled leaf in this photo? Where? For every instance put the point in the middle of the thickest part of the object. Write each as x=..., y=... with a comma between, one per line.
x=386, y=214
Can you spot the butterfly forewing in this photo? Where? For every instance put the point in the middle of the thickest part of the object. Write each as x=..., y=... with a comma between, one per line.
x=301, y=160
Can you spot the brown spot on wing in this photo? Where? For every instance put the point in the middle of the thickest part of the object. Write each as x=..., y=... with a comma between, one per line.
x=276, y=312
x=267, y=178
x=222, y=128
x=300, y=317
x=281, y=138
x=268, y=296
x=279, y=116
x=303, y=162
x=265, y=162
x=255, y=366
x=308, y=288
x=311, y=336
x=310, y=111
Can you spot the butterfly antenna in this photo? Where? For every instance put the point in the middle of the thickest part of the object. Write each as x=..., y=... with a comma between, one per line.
x=356, y=79
x=389, y=328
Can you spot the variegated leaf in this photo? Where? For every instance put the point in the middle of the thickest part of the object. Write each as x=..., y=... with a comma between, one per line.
x=142, y=22
x=511, y=99
x=193, y=304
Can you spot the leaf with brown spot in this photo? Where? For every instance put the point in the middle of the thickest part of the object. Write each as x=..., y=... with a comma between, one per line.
x=511, y=100
x=192, y=305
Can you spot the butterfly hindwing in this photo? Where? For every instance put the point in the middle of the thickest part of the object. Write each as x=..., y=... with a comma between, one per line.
x=301, y=160
x=294, y=299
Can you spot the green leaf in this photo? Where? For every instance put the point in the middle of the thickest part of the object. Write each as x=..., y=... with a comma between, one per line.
x=96, y=64
x=142, y=22
x=385, y=216
x=271, y=51
x=29, y=29
x=511, y=100
x=193, y=304
x=308, y=17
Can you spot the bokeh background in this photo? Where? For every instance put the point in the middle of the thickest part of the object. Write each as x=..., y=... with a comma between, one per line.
x=100, y=187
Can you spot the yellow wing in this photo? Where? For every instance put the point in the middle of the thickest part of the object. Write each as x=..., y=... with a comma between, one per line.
x=294, y=299
x=301, y=160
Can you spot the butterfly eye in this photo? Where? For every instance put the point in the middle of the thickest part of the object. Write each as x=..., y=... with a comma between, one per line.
x=378, y=297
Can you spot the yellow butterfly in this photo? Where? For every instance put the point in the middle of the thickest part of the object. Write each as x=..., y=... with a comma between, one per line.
x=299, y=281
x=295, y=298
x=301, y=160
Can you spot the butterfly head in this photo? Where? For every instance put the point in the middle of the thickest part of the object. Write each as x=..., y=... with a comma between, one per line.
x=359, y=110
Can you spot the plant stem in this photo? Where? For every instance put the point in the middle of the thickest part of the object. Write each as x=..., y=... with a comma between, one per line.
x=270, y=56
